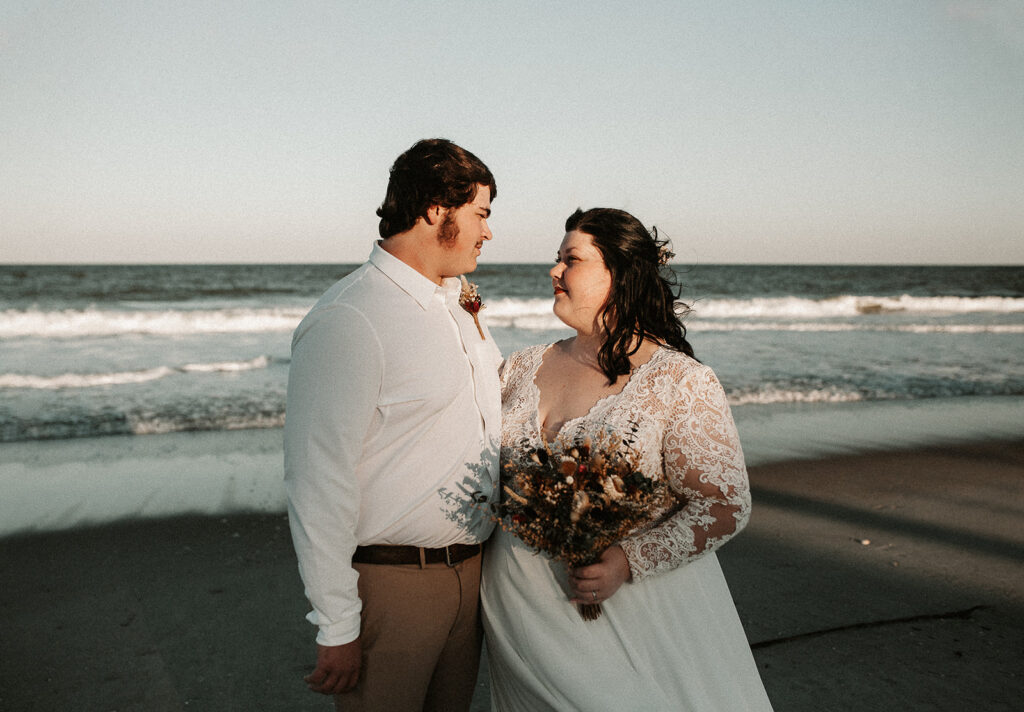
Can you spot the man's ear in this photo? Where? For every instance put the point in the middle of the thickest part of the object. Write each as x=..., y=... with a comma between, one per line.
x=434, y=214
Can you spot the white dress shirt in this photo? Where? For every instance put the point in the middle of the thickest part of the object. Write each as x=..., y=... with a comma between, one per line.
x=393, y=422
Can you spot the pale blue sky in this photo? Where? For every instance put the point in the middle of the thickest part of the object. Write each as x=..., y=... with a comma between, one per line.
x=875, y=131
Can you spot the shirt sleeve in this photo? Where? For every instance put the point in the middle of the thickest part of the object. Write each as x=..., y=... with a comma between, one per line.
x=333, y=387
x=703, y=463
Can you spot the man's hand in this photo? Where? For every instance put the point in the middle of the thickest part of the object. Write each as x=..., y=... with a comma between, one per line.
x=337, y=668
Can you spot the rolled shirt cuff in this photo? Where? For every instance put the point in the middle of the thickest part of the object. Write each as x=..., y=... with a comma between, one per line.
x=337, y=632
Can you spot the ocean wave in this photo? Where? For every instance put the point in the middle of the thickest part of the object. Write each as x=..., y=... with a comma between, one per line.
x=92, y=380
x=852, y=306
x=912, y=389
x=533, y=314
x=254, y=412
x=699, y=325
x=526, y=314
x=135, y=424
x=536, y=315
x=76, y=323
x=773, y=395
x=234, y=421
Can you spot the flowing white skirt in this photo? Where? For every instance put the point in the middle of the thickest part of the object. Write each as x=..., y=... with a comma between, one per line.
x=670, y=642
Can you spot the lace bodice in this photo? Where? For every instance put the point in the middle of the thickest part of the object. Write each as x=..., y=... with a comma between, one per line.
x=685, y=434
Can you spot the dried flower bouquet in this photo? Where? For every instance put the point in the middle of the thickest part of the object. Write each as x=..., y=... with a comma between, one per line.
x=576, y=497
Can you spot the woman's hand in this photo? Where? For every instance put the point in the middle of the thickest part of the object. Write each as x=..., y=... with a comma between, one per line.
x=599, y=582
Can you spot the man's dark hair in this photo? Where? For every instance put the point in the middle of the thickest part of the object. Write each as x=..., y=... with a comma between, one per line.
x=434, y=171
x=642, y=303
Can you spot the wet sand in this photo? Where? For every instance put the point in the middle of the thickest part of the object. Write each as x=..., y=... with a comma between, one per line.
x=865, y=582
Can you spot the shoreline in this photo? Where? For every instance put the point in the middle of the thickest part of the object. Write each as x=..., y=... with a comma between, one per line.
x=206, y=611
x=67, y=484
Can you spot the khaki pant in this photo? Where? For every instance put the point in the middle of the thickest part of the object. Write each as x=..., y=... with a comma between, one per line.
x=420, y=638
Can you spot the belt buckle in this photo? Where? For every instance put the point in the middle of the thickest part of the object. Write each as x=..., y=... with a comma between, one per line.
x=448, y=557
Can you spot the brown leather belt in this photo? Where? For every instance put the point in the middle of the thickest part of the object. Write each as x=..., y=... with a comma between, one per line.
x=395, y=555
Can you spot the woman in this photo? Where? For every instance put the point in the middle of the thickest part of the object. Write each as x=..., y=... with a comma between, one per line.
x=669, y=637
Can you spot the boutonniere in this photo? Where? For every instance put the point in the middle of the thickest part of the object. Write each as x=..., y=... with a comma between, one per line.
x=469, y=299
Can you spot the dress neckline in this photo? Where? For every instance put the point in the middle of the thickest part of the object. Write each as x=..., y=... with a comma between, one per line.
x=535, y=392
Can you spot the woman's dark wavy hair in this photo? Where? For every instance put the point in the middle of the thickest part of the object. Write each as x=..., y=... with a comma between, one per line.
x=434, y=171
x=643, y=298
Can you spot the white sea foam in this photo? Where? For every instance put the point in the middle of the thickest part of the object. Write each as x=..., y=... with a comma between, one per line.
x=770, y=395
x=851, y=306
x=531, y=314
x=74, y=323
x=249, y=421
x=92, y=380
x=717, y=314
x=962, y=328
x=82, y=380
x=228, y=366
x=699, y=325
x=526, y=314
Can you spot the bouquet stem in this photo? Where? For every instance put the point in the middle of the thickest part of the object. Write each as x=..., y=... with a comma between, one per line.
x=589, y=611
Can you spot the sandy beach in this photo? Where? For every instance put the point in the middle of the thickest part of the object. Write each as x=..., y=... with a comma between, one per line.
x=865, y=582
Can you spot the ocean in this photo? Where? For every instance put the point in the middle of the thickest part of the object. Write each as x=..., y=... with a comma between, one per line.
x=143, y=391
x=112, y=350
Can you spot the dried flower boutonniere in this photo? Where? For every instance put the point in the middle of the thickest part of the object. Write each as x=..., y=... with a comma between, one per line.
x=469, y=299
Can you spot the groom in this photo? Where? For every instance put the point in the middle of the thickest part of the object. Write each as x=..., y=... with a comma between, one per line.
x=393, y=401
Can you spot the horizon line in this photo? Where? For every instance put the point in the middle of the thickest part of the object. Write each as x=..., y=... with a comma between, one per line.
x=525, y=262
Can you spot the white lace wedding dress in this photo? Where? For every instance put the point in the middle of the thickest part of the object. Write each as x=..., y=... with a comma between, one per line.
x=668, y=640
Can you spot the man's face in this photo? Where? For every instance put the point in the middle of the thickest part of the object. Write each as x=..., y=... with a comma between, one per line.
x=462, y=232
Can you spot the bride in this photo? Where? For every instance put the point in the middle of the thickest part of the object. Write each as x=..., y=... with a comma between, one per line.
x=669, y=637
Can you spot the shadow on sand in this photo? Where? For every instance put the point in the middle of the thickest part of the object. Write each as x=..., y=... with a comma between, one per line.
x=198, y=613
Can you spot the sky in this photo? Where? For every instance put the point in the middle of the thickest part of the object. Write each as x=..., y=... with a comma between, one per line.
x=745, y=131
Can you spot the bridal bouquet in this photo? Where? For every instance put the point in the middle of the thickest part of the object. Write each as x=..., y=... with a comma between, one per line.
x=573, y=499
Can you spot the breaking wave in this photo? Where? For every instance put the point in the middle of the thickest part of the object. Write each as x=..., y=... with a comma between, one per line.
x=529, y=314
x=77, y=323
x=92, y=380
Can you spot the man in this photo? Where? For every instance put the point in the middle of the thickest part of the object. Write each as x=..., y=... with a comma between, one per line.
x=393, y=422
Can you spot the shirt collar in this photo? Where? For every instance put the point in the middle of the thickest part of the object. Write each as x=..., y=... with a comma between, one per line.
x=409, y=280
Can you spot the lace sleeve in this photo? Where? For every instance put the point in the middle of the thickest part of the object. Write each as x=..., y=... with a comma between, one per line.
x=513, y=369
x=505, y=371
x=703, y=462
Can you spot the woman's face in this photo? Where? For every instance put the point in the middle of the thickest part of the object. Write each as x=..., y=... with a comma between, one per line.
x=581, y=282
